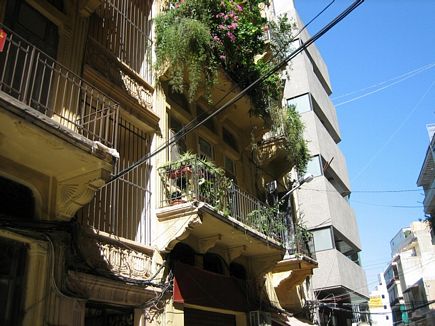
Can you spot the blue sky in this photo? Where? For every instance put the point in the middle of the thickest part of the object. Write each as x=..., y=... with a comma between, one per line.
x=384, y=135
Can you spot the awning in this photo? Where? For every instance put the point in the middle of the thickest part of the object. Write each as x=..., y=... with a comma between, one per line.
x=196, y=286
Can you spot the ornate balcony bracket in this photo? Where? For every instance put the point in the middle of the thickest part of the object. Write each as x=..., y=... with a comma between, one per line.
x=235, y=252
x=205, y=244
x=73, y=193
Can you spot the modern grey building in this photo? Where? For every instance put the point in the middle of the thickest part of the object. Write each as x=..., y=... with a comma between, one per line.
x=323, y=204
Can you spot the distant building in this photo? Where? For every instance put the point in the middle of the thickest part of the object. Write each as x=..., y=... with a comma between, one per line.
x=410, y=277
x=379, y=304
x=427, y=176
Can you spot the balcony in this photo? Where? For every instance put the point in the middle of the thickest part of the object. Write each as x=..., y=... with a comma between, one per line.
x=38, y=81
x=197, y=199
x=194, y=179
x=59, y=132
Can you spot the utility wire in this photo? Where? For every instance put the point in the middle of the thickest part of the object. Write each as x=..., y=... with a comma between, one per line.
x=400, y=77
x=242, y=93
x=314, y=18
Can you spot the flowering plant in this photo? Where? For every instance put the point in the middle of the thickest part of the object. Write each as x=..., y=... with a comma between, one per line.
x=195, y=38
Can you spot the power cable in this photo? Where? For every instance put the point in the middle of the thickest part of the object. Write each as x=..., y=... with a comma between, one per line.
x=242, y=93
x=374, y=156
x=412, y=73
x=385, y=87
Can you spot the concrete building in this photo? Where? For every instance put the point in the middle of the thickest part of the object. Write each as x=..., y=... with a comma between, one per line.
x=88, y=236
x=410, y=276
x=379, y=304
x=339, y=281
x=426, y=179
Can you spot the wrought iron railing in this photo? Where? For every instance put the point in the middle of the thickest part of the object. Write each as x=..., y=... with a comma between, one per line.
x=37, y=80
x=193, y=179
x=302, y=243
x=123, y=207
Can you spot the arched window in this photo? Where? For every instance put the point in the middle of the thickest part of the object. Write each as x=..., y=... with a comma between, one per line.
x=213, y=263
x=16, y=200
x=238, y=271
x=183, y=253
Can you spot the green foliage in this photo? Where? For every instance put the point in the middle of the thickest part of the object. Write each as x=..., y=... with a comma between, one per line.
x=195, y=38
x=286, y=122
x=268, y=220
x=184, y=44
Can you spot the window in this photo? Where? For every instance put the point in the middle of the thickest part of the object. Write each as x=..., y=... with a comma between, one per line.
x=179, y=147
x=123, y=27
x=229, y=166
x=201, y=114
x=229, y=139
x=302, y=103
x=205, y=149
x=12, y=266
x=322, y=239
x=237, y=271
x=213, y=263
x=314, y=166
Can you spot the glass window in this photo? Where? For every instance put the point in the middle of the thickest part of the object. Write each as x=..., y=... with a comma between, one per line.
x=314, y=166
x=205, y=149
x=302, y=103
x=322, y=239
x=229, y=166
x=229, y=139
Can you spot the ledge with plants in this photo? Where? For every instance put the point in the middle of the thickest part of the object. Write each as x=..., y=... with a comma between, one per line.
x=193, y=179
x=196, y=38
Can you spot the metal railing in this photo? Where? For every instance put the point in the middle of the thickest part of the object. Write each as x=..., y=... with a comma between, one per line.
x=195, y=179
x=123, y=207
x=302, y=243
x=124, y=28
x=37, y=80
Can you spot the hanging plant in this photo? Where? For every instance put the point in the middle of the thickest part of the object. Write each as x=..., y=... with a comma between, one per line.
x=286, y=122
x=196, y=38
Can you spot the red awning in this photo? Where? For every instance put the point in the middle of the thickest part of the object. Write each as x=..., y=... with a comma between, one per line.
x=196, y=286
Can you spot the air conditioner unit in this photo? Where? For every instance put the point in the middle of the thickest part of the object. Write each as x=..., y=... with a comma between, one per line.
x=260, y=318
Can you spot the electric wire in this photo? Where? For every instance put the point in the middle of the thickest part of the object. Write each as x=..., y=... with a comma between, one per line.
x=375, y=155
x=384, y=87
x=242, y=93
x=412, y=73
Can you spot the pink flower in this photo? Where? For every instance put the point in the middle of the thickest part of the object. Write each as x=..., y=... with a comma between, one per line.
x=239, y=7
x=233, y=26
x=222, y=57
x=222, y=27
x=231, y=36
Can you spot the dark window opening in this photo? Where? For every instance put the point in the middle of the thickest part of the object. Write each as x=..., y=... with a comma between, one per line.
x=229, y=139
x=12, y=267
x=16, y=200
x=213, y=263
x=201, y=115
x=33, y=26
x=183, y=253
x=178, y=98
x=238, y=271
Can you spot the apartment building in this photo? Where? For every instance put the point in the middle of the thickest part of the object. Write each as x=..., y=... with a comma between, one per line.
x=93, y=230
x=379, y=304
x=339, y=281
x=410, y=276
x=427, y=176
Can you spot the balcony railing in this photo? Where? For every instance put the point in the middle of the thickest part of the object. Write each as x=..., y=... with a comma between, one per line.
x=193, y=179
x=302, y=243
x=37, y=80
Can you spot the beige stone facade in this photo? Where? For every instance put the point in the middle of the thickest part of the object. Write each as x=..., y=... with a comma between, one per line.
x=89, y=237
